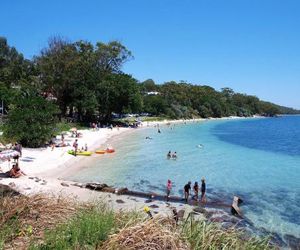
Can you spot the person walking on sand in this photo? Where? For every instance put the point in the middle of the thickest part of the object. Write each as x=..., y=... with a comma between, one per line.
x=187, y=189
x=75, y=146
x=203, y=190
x=169, y=187
x=196, y=190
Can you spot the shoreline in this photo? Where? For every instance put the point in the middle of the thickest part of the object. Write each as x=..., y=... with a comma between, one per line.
x=53, y=167
x=47, y=173
x=57, y=164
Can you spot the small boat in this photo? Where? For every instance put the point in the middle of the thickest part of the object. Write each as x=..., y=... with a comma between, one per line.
x=84, y=153
x=110, y=150
x=99, y=151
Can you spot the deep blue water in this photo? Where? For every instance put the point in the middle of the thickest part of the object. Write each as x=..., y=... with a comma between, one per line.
x=257, y=159
x=278, y=135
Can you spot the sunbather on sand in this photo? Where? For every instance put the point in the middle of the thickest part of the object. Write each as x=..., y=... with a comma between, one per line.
x=16, y=172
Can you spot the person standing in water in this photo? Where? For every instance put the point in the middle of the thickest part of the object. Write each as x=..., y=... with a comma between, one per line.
x=187, y=189
x=169, y=187
x=196, y=190
x=203, y=190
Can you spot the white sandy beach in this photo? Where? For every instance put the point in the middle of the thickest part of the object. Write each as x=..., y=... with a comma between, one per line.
x=44, y=169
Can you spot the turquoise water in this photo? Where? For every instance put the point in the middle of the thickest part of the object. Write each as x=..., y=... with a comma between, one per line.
x=257, y=159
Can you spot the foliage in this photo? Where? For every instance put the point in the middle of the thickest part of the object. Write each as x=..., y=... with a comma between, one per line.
x=87, y=84
x=45, y=222
x=31, y=120
x=66, y=126
x=183, y=100
x=205, y=235
x=87, y=230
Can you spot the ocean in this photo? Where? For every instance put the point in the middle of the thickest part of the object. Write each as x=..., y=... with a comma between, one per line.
x=256, y=159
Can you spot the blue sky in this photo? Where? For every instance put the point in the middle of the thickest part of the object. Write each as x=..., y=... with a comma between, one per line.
x=252, y=46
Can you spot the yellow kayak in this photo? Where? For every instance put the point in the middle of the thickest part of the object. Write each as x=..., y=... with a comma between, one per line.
x=85, y=153
x=99, y=151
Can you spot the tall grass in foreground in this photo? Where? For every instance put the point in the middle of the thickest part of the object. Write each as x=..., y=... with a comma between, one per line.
x=22, y=218
x=203, y=235
x=86, y=230
x=57, y=223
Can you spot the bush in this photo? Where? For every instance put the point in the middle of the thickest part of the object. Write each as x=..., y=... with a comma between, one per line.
x=31, y=120
x=87, y=230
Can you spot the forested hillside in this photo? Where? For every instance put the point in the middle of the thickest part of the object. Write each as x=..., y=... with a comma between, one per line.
x=85, y=82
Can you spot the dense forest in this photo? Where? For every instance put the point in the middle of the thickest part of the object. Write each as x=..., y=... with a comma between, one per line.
x=85, y=82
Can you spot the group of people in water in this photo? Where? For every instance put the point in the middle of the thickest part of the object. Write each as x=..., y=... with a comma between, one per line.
x=187, y=191
x=171, y=155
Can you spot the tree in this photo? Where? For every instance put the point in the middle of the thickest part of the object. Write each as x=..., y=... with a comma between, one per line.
x=118, y=93
x=111, y=56
x=31, y=119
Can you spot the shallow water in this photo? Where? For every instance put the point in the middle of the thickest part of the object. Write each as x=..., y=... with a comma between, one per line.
x=257, y=159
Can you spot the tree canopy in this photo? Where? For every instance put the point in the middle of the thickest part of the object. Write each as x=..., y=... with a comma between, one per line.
x=85, y=81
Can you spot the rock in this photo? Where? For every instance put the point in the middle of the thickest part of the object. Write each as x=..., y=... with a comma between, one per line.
x=155, y=212
x=292, y=241
x=200, y=210
x=31, y=177
x=78, y=185
x=209, y=214
x=148, y=201
x=27, y=188
x=180, y=213
x=7, y=191
x=64, y=184
x=217, y=219
x=108, y=190
x=120, y=201
x=96, y=186
x=121, y=191
x=12, y=184
x=154, y=206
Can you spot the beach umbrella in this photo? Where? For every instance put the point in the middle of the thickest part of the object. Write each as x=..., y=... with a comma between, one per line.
x=8, y=154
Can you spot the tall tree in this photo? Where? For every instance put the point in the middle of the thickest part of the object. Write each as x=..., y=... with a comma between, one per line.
x=31, y=119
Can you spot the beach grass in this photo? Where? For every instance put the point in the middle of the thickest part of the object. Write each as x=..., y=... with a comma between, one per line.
x=203, y=235
x=23, y=218
x=86, y=230
x=40, y=222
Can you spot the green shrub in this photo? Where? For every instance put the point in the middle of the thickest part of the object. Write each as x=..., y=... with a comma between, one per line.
x=87, y=230
x=31, y=120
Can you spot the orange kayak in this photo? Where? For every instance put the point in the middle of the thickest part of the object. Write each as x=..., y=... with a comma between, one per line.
x=100, y=151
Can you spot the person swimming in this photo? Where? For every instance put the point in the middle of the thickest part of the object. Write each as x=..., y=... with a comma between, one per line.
x=174, y=155
x=169, y=155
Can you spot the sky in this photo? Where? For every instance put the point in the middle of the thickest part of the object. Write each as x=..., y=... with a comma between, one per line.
x=251, y=46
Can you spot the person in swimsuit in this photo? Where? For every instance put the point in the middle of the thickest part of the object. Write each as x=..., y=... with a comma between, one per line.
x=203, y=190
x=169, y=155
x=169, y=187
x=196, y=190
x=16, y=172
x=187, y=189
